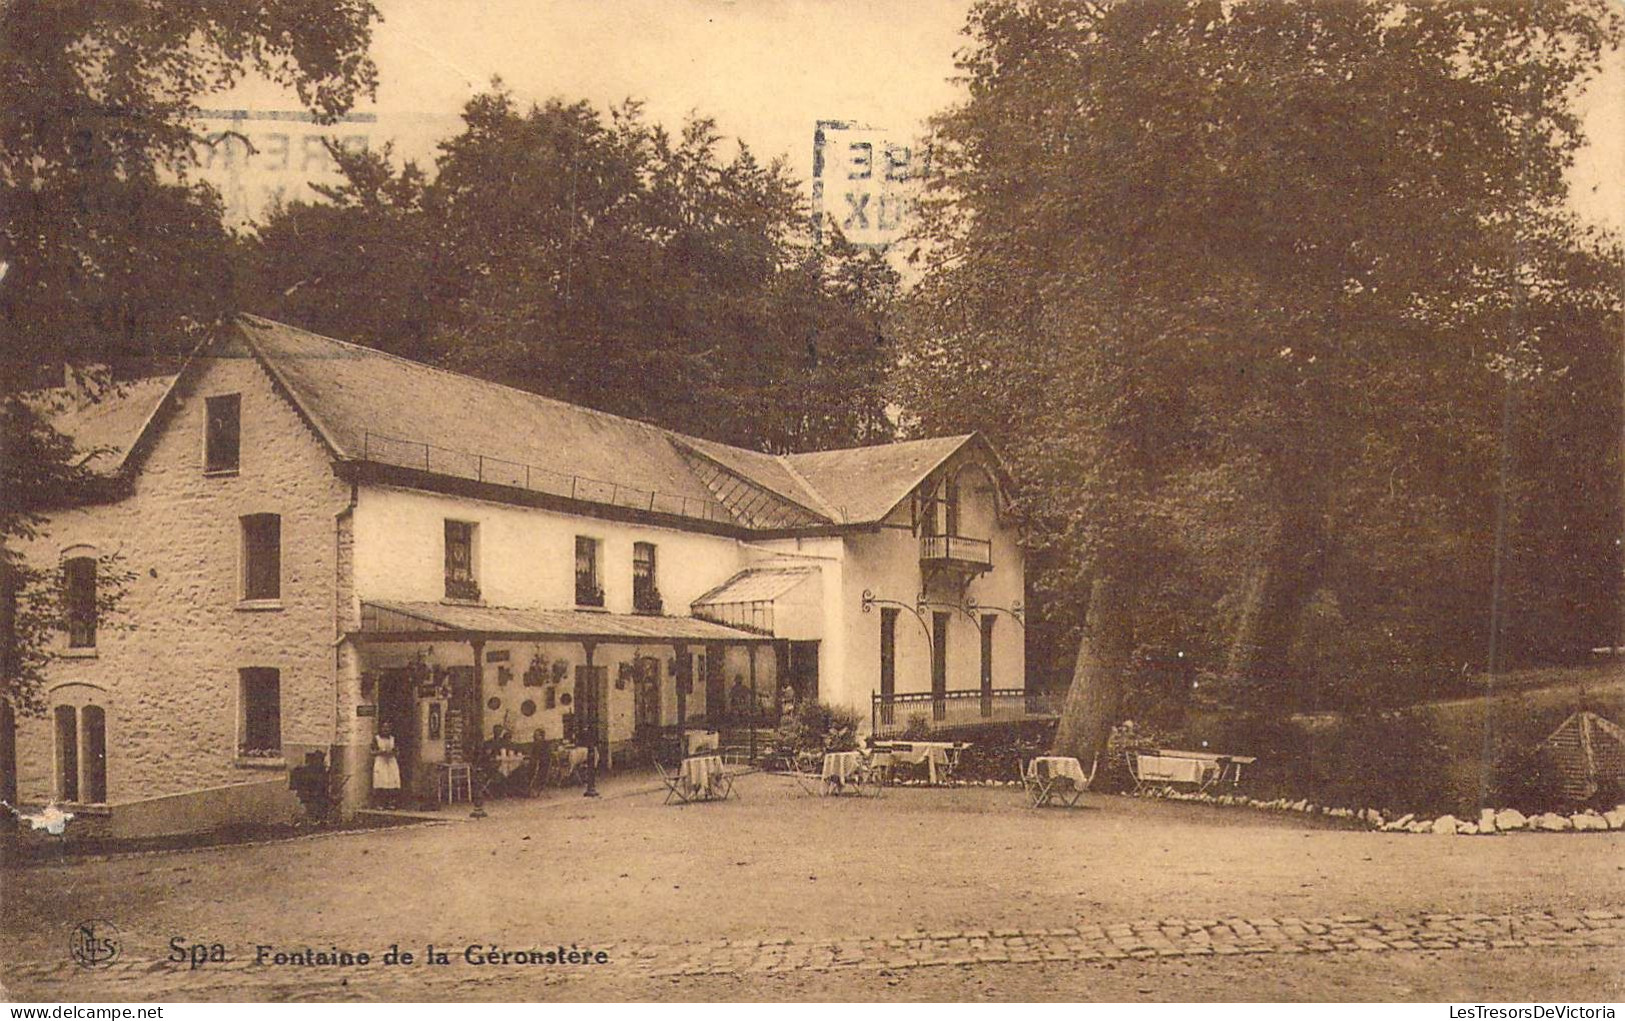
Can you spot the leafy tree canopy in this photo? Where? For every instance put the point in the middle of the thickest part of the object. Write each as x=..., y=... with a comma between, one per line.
x=592, y=256
x=1242, y=289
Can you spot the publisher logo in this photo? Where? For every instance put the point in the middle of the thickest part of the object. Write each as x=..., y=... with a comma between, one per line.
x=95, y=943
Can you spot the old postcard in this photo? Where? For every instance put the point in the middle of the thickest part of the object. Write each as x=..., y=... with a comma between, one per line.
x=807, y=500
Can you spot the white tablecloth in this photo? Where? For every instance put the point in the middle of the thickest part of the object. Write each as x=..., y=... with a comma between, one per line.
x=700, y=773
x=933, y=753
x=1059, y=765
x=574, y=757
x=508, y=760
x=841, y=765
x=1171, y=769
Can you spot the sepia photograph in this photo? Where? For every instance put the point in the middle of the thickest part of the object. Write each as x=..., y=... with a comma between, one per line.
x=792, y=501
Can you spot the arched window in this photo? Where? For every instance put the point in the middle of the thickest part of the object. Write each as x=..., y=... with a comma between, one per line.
x=93, y=754
x=80, y=728
x=67, y=753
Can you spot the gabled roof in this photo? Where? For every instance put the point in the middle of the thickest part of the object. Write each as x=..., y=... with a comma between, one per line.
x=370, y=406
x=867, y=483
x=373, y=404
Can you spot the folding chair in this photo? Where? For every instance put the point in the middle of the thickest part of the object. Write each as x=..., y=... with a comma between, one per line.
x=723, y=786
x=809, y=782
x=1036, y=787
x=676, y=786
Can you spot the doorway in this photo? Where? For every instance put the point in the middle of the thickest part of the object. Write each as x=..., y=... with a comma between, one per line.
x=802, y=670
x=397, y=707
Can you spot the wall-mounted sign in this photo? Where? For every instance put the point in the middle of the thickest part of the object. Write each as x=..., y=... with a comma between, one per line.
x=366, y=709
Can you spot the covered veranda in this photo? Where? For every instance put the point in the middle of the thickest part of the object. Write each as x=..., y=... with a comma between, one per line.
x=490, y=687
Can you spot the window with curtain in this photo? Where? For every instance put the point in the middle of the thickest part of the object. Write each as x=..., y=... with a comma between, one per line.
x=645, y=592
x=589, y=589
x=460, y=580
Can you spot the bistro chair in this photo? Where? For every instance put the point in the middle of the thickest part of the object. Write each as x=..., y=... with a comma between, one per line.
x=452, y=778
x=676, y=786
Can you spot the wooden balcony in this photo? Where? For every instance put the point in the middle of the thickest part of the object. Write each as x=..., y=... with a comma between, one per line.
x=957, y=553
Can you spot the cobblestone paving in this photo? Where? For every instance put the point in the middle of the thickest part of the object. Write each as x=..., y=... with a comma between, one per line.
x=1086, y=944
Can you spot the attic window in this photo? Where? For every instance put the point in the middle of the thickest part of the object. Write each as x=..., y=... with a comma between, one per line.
x=222, y=432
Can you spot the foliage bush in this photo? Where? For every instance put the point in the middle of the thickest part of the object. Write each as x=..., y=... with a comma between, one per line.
x=818, y=727
x=1001, y=753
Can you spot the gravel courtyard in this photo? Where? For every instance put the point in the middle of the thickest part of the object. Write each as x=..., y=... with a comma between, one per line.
x=922, y=894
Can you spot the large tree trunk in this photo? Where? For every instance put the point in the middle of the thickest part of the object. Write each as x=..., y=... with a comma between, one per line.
x=1276, y=593
x=9, y=669
x=1096, y=694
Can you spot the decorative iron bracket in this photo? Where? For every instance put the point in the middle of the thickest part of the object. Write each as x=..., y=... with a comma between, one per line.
x=1016, y=612
x=870, y=601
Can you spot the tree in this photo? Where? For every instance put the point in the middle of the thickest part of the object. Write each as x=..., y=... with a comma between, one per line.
x=593, y=257
x=1239, y=267
x=110, y=254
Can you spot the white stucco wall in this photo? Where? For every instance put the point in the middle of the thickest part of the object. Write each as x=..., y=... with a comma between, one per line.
x=887, y=563
x=524, y=556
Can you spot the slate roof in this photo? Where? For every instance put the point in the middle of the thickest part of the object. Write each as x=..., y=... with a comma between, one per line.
x=106, y=428
x=381, y=617
x=865, y=483
x=374, y=406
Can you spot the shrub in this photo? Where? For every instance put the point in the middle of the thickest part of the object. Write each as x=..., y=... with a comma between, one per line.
x=818, y=727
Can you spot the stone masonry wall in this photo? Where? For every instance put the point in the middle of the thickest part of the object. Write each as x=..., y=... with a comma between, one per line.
x=169, y=684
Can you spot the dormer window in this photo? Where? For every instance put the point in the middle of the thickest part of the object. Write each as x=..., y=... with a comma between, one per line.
x=222, y=433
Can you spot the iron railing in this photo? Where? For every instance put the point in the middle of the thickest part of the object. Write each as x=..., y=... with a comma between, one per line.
x=956, y=549
x=893, y=715
x=377, y=448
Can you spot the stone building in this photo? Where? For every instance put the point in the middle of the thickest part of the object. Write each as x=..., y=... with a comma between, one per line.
x=321, y=536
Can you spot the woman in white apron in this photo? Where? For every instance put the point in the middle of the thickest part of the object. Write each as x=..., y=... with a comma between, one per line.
x=386, y=768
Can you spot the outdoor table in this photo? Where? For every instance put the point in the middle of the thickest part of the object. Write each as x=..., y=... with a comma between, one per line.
x=932, y=753
x=1051, y=767
x=508, y=760
x=1171, y=769
x=698, y=741
x=841, y=769
x=700, y=774
x=1228, y=767
x=1043, y=774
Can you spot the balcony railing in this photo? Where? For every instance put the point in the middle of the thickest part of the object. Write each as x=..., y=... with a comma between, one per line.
x=956, y=551
x=892, y=715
